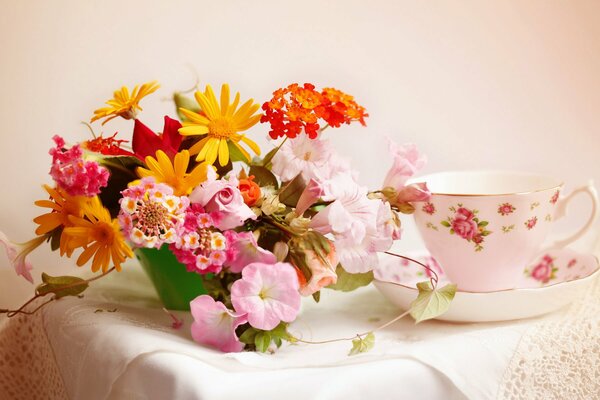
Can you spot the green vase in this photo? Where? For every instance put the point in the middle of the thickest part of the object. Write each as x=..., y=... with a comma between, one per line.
x=175, y=286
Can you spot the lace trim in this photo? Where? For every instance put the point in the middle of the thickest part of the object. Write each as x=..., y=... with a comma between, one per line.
x=559, y=358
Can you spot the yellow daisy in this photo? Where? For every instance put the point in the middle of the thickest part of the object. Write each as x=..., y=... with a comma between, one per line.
x=99, y=235
x=220, y=123
x=124, y=104
x=174, y=174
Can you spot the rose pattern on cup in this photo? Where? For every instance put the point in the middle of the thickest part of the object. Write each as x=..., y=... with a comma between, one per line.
x=466, y=224
x=554, y=197
x=428, y=208
x=572, y=263
x=544, y=271
x=534, y=205
x=531, y=223
x=505, y=209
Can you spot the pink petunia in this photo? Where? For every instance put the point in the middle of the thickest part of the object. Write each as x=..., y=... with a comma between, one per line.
x=243, y=250
x=214, y=325
x=268, y=293
x=406, y=162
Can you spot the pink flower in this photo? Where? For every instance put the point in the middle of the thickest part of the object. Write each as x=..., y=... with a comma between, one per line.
x=322, y=270
x=428, y=208
x=72, y=173
x=17, y=254
x=554, y=198
x=268, y=293
x=572, y=263
x=357, y=257
x=150, y=214
x=388, y=222
x=243, y=250
x=543, y=271
x=505, y=209
x=463, y=224
x=413, y=192
x=223, y=198
x=433, y=264
x=351, y=211
x=530, y=223
x=302, y=155
x=311, y=193
x=406, y=162
x=214, y=325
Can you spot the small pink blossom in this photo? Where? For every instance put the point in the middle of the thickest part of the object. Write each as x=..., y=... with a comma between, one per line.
x=543, y=271
x=358, y=257
x=311, y=193
x=223, y=200
x=268, y=293
x=505, y=209
x=406, y=162
x=428, y=208
x=531, y=222
x=243, y=250
x=433, y=264
x=17, y=254
x=554, y=198
x=572, y=263
x=214, y=325
x=463, y=224
x=76, y=176
x=413, y=193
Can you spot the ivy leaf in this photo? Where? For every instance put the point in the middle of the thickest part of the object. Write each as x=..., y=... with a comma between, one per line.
x=430, y=302
x=262, y=340
x=184, y=102
x=61, y=286
x=292, y=191
x=347, y=282
x=263, y=176
x=362, y=345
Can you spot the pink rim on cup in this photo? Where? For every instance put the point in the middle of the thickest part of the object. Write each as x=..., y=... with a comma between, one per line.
x=483, y=227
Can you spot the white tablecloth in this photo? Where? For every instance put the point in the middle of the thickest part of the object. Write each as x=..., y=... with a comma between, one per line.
x=117, y=343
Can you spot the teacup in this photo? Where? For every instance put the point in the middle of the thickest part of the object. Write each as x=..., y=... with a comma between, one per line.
x=483, y=227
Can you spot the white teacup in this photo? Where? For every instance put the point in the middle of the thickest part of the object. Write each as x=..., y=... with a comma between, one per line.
x=483, y=227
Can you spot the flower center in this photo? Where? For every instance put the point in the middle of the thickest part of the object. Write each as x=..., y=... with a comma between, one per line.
x=103, y=233
x=152, y=218
x=222, y=128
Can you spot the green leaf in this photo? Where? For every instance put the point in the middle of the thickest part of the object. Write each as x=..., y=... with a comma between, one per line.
x=61, y=286
x=316, y=296
x=262, y=340
x=292, y=191
x=122, y=171
x=362, y=345
x=235, y=154
x=406, y=208
x=483, y=223
x=263, y=176
x=248, y=336
x=445, y=223
x=55, y=238
x=280, y=331
x=347, y=282
x=184, y=102
x=269, y=156
x=431, y=303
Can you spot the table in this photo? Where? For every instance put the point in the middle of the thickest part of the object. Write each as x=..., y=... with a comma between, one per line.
x=117, y=343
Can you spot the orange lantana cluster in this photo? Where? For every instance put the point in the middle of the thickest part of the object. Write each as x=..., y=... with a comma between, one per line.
x=296, y=108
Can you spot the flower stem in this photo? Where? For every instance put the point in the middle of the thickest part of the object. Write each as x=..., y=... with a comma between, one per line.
x=434, y=279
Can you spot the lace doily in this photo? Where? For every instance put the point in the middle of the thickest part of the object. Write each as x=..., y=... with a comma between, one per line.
x=28, y=370
x=559, y=358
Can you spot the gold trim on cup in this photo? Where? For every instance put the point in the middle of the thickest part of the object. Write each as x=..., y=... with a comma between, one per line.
x=499, y=194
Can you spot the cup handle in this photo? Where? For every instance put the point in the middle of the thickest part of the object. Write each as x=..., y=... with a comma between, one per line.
x=561, y=211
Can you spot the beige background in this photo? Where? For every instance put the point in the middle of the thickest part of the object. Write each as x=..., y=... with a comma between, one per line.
x=504, y=84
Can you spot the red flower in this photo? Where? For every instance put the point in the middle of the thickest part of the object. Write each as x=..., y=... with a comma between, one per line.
x=108, y=146
x=250, y=190
x=146, y=143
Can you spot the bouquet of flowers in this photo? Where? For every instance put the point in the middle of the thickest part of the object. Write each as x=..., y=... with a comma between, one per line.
x=261, y=231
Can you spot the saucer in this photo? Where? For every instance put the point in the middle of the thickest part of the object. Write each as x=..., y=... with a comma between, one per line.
x=552, y=281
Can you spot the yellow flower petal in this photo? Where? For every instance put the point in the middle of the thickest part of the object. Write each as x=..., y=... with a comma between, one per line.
x=223, y=152
x=224, y=99
x=193, y=130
